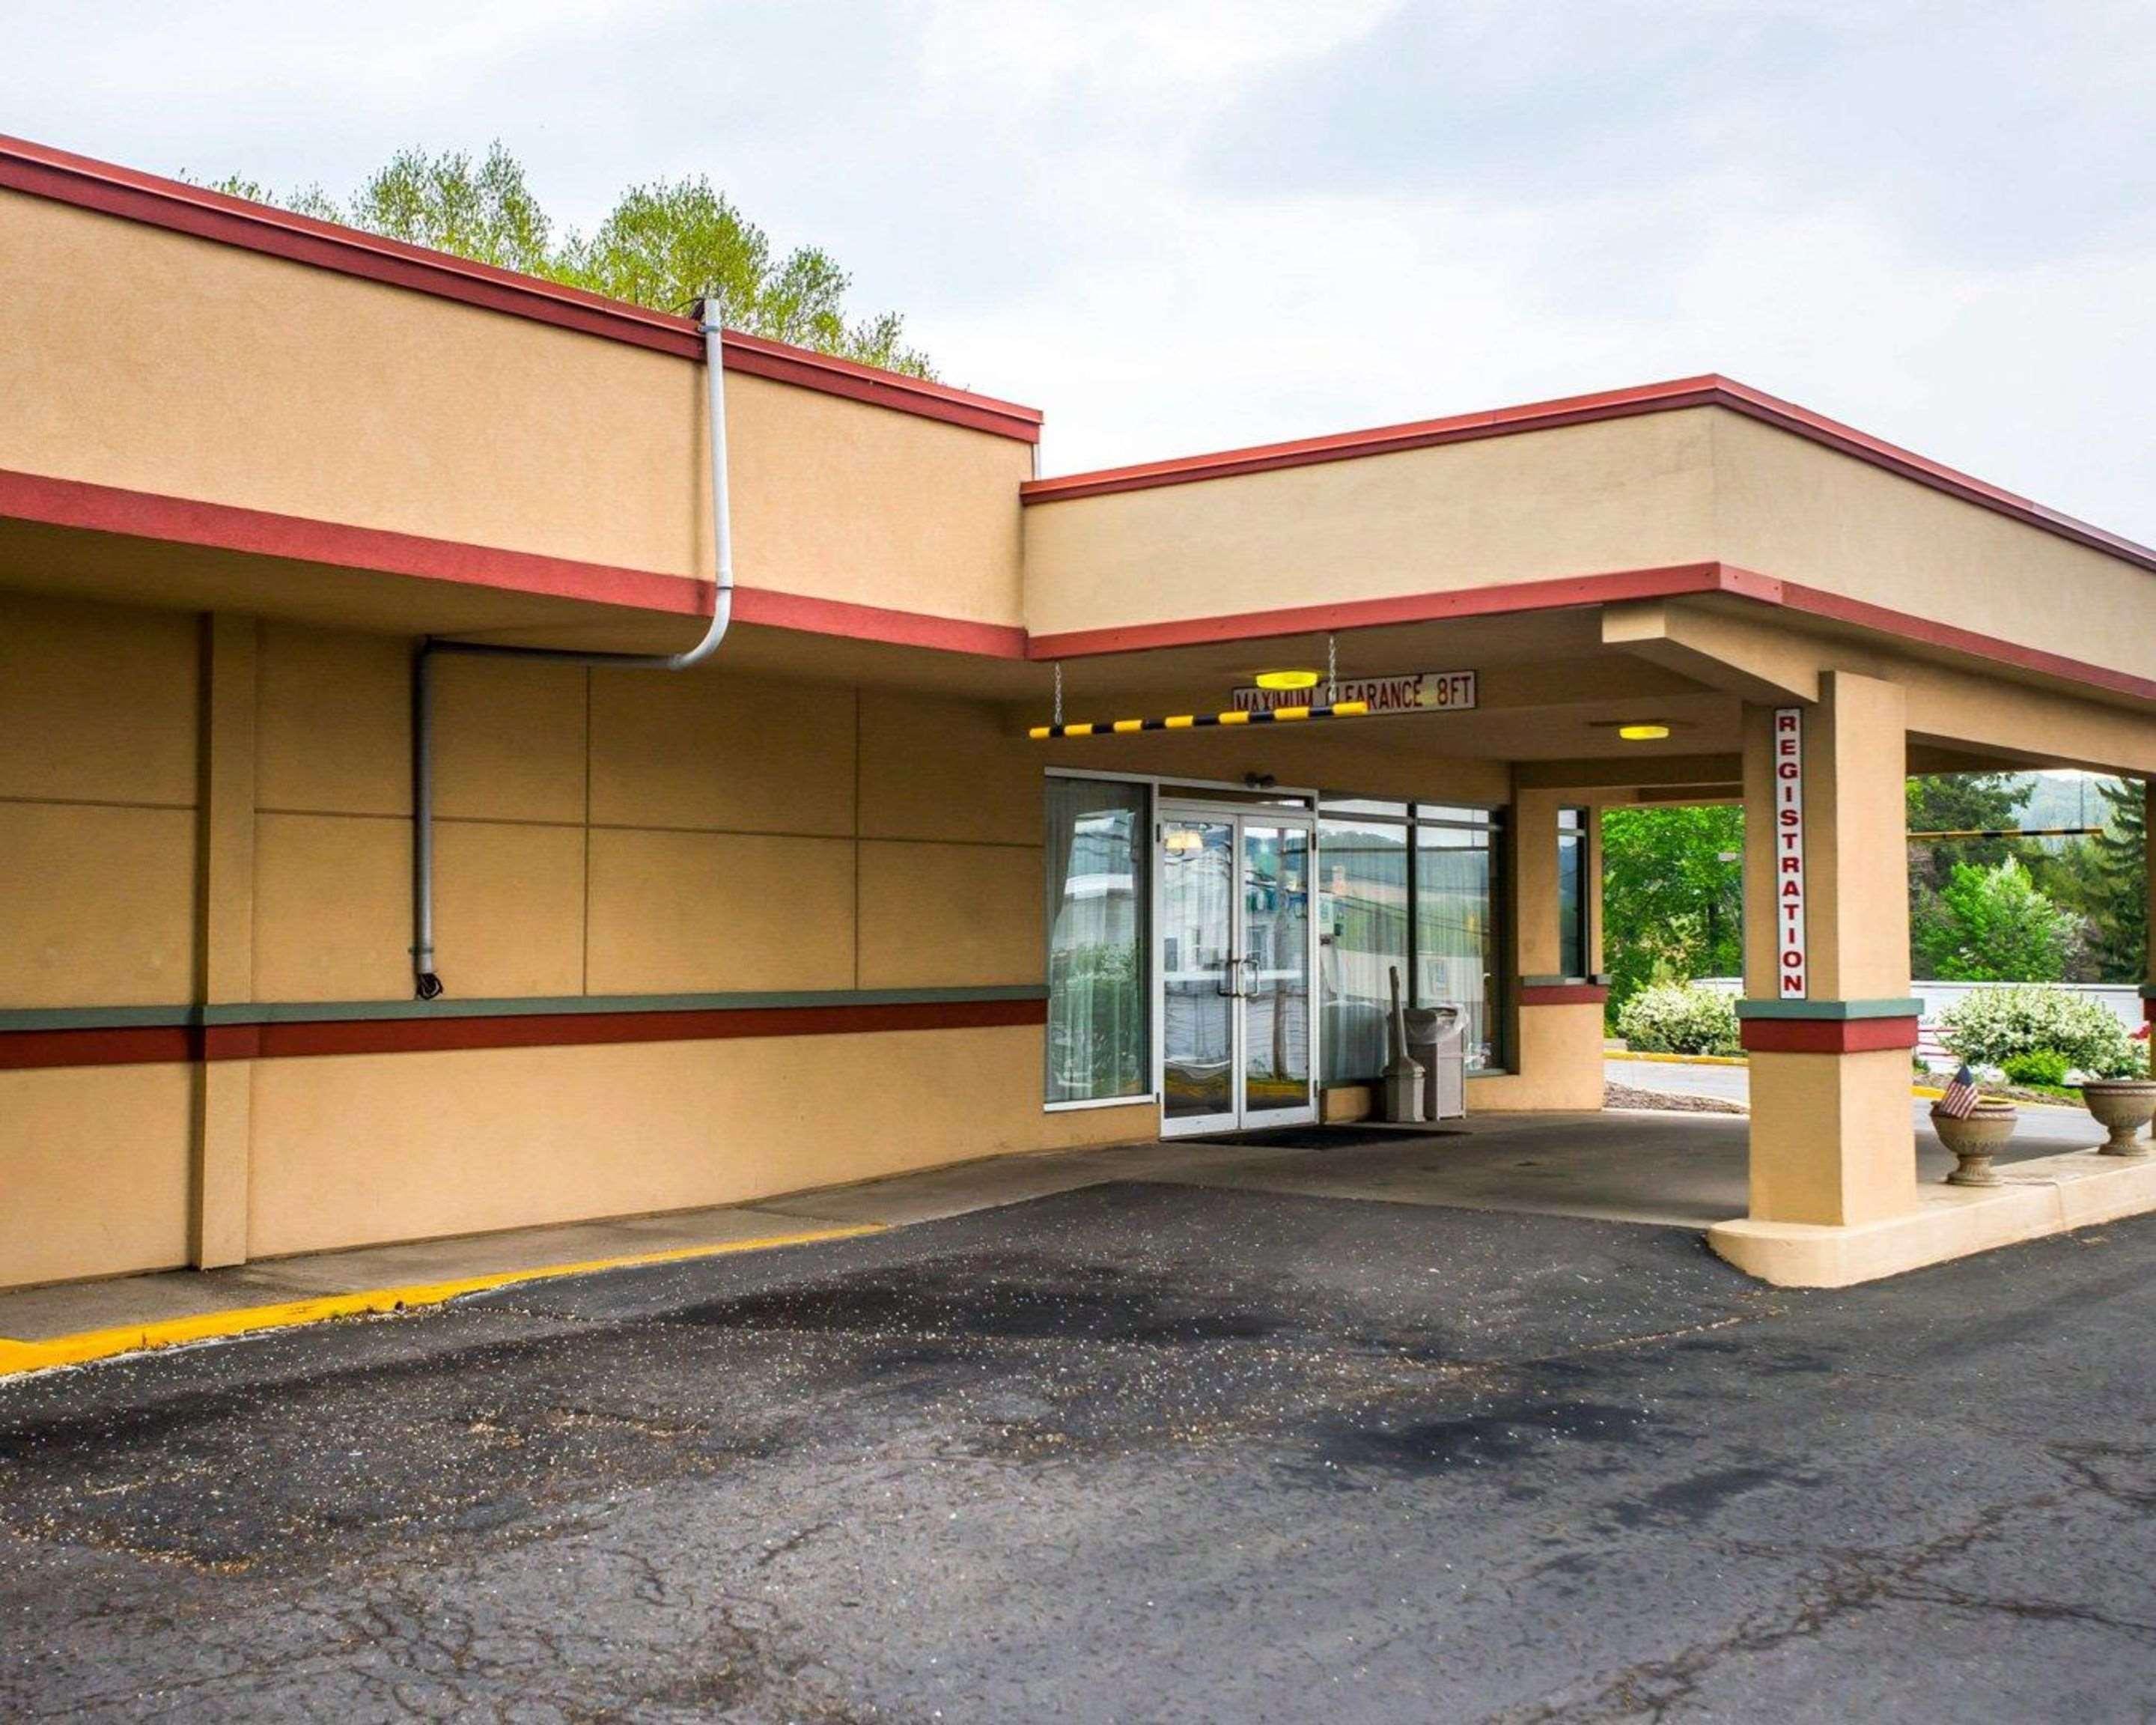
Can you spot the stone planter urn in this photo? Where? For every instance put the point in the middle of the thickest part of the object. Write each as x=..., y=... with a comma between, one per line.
x=1975, y=1139
x=2122, y=1107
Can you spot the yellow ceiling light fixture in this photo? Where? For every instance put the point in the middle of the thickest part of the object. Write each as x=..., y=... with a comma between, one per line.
x=1643, y=733
x=1287, y=680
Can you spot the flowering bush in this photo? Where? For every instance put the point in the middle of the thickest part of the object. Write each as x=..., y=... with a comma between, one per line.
x=2044, y=1065
x=1676, y=1017
x=1992, y=1026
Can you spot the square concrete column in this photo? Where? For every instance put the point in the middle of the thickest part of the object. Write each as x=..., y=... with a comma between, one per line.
x=1828, y=1017
x=1557, y=1049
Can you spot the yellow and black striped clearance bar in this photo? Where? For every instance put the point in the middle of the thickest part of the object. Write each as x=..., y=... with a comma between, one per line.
x=1199, y=721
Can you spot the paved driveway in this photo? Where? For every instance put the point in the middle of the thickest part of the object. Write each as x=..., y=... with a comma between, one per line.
x=1141, y=1451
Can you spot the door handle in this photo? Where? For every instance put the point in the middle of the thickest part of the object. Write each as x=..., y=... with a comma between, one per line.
x=1228, y=988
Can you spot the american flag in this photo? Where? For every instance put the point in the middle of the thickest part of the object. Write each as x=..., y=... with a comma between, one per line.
x=1957, y=1101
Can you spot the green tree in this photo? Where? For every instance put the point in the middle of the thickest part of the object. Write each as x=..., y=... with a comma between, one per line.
x=2102, y=880
x=1672, y=895
x=1960, y=803
x=2000, y=928
x=662, y=245
x=1953, y=802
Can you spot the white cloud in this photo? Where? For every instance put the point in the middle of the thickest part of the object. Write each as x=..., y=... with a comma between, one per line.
x=1184, y=227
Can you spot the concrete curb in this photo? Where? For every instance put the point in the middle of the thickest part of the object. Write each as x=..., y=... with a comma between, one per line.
x=19, y=1358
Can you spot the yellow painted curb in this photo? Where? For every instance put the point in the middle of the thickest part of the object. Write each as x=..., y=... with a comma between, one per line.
x=79, y=1349
x=1678, y=1059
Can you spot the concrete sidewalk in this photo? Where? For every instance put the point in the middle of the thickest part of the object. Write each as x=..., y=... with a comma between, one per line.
x=1675, y=1170
x=1668, y=1170
x=424, y=1272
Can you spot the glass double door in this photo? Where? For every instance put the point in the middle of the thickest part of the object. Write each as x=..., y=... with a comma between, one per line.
x=1235, y=958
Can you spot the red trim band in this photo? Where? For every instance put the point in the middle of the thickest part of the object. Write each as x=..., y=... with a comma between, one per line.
x=224, y=527
x=1710, y=389
x=1826, y=1035
x=64, y=177
x=136, y=1046
x=183, y=521
x=1563, y=994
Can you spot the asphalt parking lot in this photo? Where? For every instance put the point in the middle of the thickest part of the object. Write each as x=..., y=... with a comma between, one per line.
x=1139, y=1451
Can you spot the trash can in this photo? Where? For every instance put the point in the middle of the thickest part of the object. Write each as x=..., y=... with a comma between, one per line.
x=1437, y=1037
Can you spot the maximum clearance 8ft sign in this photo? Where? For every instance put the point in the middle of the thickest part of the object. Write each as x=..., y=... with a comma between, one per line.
x=1790, y=961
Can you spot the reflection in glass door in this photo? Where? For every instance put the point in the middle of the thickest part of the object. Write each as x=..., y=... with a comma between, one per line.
x=1236, y=968
x=1198, y=973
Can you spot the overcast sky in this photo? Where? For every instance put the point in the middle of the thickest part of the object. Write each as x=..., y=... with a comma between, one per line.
x=1183, y=228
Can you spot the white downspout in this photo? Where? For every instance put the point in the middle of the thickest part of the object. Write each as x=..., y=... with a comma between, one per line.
x=425, y=984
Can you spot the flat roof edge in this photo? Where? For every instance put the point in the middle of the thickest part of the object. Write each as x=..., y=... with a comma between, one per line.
x=62, y=176
x=1708, y=390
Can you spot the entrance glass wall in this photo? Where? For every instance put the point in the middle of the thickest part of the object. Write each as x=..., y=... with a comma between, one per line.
x=1100, y=1039
x=1415, y=887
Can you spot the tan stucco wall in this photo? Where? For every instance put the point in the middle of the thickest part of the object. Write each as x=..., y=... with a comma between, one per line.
x=352, y=1148
x=93, y=1171
x=1576, y=499
x=1558, y=1060
x=1794, y=510
x=273, y=386
x=742, y=834
x=97, y=803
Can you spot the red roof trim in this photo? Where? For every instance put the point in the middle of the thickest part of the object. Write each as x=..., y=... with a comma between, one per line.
x=145, y=515
x=1709, y=390
x=183, y=521
x=1382, y=440
x=88, y=184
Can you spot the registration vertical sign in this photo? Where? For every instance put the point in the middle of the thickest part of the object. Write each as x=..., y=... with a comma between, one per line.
x=1791, y=963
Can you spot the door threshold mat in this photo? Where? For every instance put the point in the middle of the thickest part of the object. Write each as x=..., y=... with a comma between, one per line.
x=1324, y=1137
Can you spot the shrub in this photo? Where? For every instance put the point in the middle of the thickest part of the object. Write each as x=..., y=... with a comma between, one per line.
x=1676, y=1017
x=2043, y=1066
x=1992, y=1026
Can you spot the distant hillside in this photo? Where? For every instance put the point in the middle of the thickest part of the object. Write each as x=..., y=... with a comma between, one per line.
x=2064, y=799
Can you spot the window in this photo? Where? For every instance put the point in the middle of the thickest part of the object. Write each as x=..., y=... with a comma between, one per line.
x=1412, y=887
x=1099, y=1041
x=1457, y=927
x=1362, y=933
x=1572, y=865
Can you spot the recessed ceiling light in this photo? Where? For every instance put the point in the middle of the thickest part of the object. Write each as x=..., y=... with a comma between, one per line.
x=1643, y=733
x=1287, y=680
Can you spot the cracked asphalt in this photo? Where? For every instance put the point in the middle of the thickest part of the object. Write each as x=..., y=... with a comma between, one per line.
x=1136, y=1452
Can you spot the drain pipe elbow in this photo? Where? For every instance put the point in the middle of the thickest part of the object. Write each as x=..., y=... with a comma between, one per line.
x=426, y=984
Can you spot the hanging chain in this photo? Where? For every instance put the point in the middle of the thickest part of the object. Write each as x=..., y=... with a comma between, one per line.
x=1059, y=692
x=1331, y=670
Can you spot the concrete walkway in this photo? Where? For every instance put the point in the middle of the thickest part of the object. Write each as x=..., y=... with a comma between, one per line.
x=2043, y=1131
x=1671, y=1170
